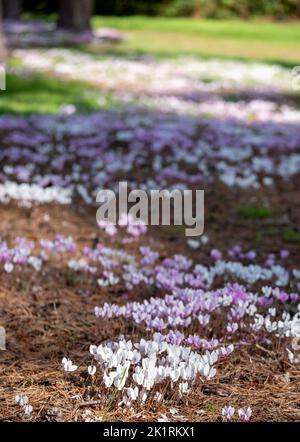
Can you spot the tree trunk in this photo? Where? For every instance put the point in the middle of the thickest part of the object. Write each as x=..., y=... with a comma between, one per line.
x=74, y=15
x=197, y=10
x=12, y=9
x=2, y=47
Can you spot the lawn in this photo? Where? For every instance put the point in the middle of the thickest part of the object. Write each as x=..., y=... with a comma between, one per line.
x=273, y=42
x=44, y=94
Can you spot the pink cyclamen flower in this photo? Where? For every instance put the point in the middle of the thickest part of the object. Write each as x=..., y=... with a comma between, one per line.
x=228, y=412
x=216, y=254
x=284, y=254
x=294, y=297
x=232, y=327
x=245, y=414
x=251, y=255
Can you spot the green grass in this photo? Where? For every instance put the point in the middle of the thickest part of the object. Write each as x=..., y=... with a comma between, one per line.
x=291, y=236
x=228, y=39
x=255, y=30
x=42, y=94
x=259, y=236
x=271, y=42
x=255, y=212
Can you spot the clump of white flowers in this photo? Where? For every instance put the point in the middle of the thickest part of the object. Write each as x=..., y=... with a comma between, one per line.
x=136, y=368
x=22, y=400
x=33, y=193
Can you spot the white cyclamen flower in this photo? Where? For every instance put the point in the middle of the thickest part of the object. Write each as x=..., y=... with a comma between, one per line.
x=8, y=267
x=245, y=413
x=228, y=412
x=68, y=365
x=91, y=370
x=22, y=399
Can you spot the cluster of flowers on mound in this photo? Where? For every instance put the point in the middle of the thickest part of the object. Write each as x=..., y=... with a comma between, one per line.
x=198, y=315
x=57, y=158
x=193, y=324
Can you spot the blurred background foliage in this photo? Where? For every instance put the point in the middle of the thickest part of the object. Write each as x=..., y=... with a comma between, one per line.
x=219, y=9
